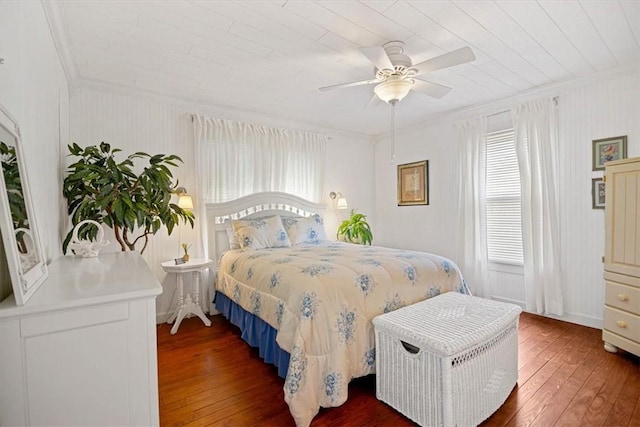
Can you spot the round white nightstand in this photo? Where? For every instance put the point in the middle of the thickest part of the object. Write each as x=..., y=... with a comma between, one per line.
x=190, y=303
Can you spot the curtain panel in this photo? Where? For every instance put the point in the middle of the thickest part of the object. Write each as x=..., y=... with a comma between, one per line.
x=472, y=237
x=237, y=159
x=535, y=126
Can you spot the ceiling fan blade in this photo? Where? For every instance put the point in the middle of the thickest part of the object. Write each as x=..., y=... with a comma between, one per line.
x=378, y=56
x=456, y=57
x=358, y=83
x=429, y=88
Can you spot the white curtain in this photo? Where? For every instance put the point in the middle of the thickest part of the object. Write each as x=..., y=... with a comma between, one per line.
x=536, y=136
x=472, y=237
x=237, y=159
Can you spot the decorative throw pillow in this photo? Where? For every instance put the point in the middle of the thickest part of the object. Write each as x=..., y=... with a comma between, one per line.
x=261, y=233
x=231, y=225
x=305, y=230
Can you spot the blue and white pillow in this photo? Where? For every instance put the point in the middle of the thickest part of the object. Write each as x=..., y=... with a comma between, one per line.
x=260, y=234
x=305, y=230
x=232, y=225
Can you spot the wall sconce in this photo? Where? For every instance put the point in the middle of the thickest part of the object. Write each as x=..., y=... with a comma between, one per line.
x=341, y=202
x=184, y=200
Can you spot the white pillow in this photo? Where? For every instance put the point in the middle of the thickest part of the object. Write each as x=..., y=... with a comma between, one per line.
x=233, y=242
x=261, y=234
x=305, y=230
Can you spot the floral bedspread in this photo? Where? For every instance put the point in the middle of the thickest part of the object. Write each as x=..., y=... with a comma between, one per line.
x=321, y=298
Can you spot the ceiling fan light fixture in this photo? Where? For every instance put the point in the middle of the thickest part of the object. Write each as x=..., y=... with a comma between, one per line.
x=393, y=91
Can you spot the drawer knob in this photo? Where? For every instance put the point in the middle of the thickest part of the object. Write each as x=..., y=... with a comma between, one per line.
x=623, y=297
x=621, y=324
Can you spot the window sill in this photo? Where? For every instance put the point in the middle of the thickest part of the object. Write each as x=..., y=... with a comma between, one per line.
x=502, y=267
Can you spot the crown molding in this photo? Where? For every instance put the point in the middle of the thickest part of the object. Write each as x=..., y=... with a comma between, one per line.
x=55, y=18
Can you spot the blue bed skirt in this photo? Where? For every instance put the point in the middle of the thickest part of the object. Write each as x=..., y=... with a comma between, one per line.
x=255, y=331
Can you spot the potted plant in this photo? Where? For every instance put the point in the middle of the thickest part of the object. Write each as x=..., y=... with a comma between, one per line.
x=356, y=229
x=99, y=188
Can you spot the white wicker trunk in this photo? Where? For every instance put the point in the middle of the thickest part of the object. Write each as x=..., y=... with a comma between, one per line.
x=451, y=360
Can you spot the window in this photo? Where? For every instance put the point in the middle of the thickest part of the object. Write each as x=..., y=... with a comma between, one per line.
x=503, y=202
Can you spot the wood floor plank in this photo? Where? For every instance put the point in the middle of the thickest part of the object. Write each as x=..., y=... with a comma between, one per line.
x=629, y=398
x=552, y=410
x=211, y=377
x=584, y=398
x=534, y=374
x=602, y=405
x=568, y=364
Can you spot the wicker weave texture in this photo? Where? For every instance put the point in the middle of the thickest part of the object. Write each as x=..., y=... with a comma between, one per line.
x=458, y=384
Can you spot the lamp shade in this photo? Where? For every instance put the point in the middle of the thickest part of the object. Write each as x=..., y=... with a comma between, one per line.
x=342, y=203
x=185, y=201
x=393, y=91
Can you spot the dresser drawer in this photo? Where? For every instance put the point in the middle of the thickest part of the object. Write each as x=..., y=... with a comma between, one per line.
x=622, y=323
x=621, y=296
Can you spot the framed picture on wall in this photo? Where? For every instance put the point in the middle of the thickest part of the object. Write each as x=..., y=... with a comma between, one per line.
x=607, y=150
x=413, y=183
x=598, y=193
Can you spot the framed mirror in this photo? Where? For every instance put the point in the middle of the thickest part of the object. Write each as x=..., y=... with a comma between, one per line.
x=25, y=260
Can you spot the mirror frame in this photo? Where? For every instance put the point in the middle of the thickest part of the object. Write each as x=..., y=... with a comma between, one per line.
x=24, y=284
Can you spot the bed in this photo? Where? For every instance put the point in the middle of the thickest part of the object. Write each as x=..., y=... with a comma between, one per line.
x=306, y=301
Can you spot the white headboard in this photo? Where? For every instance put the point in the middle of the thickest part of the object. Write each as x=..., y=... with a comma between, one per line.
x=259, y=204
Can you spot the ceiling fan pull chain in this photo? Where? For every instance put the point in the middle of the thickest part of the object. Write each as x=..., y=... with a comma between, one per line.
x=393, y=132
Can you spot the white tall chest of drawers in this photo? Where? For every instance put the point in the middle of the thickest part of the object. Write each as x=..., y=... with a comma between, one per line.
x=622, y=256
x=82, y=351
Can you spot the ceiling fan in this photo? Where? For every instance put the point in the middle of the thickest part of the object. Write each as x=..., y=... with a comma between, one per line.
x=395, y=73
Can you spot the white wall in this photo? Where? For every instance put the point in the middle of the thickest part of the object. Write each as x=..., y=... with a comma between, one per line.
x=157, y=125
x=33, y=89
x=601, y=107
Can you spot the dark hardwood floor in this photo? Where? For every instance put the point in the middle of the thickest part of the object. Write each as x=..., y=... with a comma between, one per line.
x=209, y=376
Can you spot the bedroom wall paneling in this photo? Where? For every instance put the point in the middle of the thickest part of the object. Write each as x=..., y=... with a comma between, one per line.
x=34, y=90
x=430, y=227
x=598, y=108
x=143, y=122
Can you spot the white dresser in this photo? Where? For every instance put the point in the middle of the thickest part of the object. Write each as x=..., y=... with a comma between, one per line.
x=622, y=256
x=82, y=351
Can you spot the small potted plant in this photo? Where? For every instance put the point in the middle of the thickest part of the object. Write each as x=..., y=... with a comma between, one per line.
x=185, y=257
x=356, y=229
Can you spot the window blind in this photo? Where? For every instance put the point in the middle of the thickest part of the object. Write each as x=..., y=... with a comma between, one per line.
x=503, y=203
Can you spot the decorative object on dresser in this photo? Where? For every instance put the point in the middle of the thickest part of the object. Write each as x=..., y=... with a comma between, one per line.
x=622, y=257
x=608, y=150
x=87, y=248
x=451, y=360
x=100, y=189
x=356, y=229
x=187, y=304
x=25, y=260
x=413, y=183
x=83, y=350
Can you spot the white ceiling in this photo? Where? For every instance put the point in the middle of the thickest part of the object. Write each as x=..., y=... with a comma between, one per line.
x=271, y=57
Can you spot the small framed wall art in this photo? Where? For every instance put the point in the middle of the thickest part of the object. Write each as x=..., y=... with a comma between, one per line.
x=607, y=150
x=597, y=193
x=413, y=183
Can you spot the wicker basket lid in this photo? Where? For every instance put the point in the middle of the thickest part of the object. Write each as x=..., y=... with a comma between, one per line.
x=449, y=323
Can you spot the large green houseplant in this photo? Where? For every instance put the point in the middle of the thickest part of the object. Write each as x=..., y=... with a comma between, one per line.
x=134, y=205
x=356, y=229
